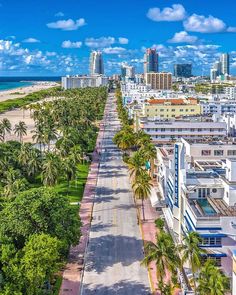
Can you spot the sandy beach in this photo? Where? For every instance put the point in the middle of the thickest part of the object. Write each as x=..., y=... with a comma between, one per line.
x=17, y=115
x=23, y=91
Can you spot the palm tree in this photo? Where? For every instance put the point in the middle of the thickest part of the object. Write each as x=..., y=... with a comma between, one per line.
x=20, y=130
x=212, y=280
x=50, y=134
x=160, y=224
x=136, y=165
x=142, y=188
x=142, y=138
x=34, y=163
x=164, y=254
x=192, y=253
x=51, y=169
x=5, y=127
x=13, y=183
x=38, y=136
x=149, y=154
x=69, y=168
x=1, y=132
x=25, y=154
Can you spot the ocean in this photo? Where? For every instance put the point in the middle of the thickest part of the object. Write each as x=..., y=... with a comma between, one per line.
x=8, y=83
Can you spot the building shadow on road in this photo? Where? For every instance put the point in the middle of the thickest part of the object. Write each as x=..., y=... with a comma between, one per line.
x=121, y=288
x=108, y=250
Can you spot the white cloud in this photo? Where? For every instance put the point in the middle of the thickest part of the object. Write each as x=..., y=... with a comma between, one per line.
x=183, y=37
x=99, y=42
x=231, y=29
x=19, y=60
x=31, y=40
x=51, y=53
x=202, y=24
x=175, y=13
x=114, y=50
x=59, y=14
x=123, y=40
x=67, y=25
x=70, y=44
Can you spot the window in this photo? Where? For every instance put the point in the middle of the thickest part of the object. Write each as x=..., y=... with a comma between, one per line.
x=181, y=110
x=199, y=129
x=211, y=241
x=218, y=153
x=206, y=152
x=192, y=129
x=231, y=153
x=172, y=130
x=162, y=129
x=161, y=110
x=192, y=110
x=180, y=129
x=173, y=110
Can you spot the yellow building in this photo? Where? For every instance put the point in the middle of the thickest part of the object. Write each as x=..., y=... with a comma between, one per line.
x=171, y=108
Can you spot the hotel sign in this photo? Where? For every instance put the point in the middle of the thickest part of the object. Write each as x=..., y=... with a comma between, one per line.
x=176, y=157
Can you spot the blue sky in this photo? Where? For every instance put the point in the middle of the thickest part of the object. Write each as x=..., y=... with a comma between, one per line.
x=55, y=37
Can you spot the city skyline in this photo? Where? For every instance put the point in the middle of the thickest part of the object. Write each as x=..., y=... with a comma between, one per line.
x=57, y=38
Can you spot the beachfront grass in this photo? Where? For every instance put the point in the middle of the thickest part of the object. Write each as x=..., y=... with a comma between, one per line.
x=11, y=104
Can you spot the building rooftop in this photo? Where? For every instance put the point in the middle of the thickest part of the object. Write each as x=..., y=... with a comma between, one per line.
x=173, y=101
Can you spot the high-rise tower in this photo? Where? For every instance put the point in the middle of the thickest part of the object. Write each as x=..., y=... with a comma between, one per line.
x=224, y=60
x=96, y=63
x=150, y=61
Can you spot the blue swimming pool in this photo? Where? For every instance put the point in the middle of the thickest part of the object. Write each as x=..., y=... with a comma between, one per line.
x=206, y=207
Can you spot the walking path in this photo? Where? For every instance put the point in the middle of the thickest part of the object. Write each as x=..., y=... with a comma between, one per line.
x=74, y=268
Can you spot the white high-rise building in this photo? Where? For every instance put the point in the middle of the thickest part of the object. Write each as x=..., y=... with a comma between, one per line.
x=220, y=67
x=127, y=72
x=224, y=60
x=96, y=63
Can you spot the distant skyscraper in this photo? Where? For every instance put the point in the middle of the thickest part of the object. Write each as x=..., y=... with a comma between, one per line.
x=150, y=61
x=224, y=60
x=183, y=70
x=96, y=63
x=221, y=67
x=127, y=72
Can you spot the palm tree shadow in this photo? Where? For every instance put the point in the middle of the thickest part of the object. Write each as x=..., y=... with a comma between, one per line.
x=100, y=227
x=101, y=252
x=121, y=288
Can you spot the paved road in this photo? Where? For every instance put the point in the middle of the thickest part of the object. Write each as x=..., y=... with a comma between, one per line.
x=115, y=246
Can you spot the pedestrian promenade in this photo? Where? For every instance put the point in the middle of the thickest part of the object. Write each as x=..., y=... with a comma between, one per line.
x=149, y=232
x=74, y=268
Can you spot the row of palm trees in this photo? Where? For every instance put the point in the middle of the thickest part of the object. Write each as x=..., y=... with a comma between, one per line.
x=208, y=279
x=165, y=253
x=65, y=130
x=139, y=154
x=19, y=129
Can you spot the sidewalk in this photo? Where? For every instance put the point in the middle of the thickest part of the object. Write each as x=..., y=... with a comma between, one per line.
x=73, y=271
x=149, y=231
